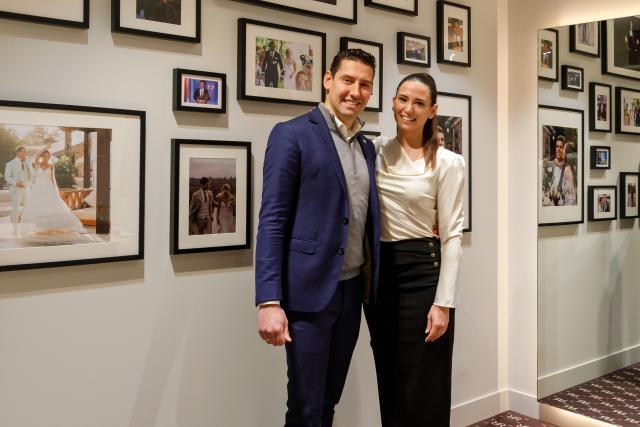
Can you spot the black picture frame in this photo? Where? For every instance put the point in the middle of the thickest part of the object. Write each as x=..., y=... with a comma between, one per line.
x=566, y=84
x=592, y=203
x=345, y=43
x=136, y=115
x=383, y=6
x=401, y=51
x=40, y=19
x=593, y=107
x=607, y=62
x=178, y=87
x=594, y=151
x=441, y=28
x=624, y=178
x=574, y=45
x=311, y=11
x=621, y=127
x=245, y=91
x=176, y=197
x=555, y=73
x=118, y=27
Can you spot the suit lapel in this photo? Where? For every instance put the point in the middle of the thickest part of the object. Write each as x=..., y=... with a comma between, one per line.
x=321, y=129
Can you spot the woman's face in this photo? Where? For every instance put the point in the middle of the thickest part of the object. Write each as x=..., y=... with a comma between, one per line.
x=559, y=150
x=412, y=105
x=46, y=156
x=440, y=139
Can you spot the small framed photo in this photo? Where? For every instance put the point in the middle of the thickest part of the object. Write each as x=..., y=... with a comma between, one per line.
x=585, y=38
x=454, y=33
x=629, y=194
x=281, y=64
x=548, y=68
x=572, y=78
x=602, y=202
x=627, y=111
x=600, y=102
x=375, y=49
x=210, y=195
x=561, y=171
x=414, y=49
x=66, y=13
x=201, y=91
x=620, y=40
x=407, y=7
x=166, y=19
x=334, y=10
x=600, y=157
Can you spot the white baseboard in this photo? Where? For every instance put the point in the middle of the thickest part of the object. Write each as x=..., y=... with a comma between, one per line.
x=478, y=409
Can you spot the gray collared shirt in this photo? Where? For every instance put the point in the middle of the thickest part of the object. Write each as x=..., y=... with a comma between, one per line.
x=356, y=174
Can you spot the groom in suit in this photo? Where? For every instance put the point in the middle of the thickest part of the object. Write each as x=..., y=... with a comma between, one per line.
x=317, y=246
x=18, y=174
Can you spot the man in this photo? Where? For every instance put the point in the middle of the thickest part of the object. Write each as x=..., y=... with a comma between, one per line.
x=201, y=95
x=272, y=66
x=319, y=215
x=201, y=207
x=18, y=174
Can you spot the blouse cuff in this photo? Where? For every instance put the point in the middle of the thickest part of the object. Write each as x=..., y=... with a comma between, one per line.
x=447, y=292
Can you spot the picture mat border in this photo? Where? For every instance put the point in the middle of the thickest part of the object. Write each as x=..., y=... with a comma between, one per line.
x=623, y=194
x=608, y=68
x=573, y=44
x=139, y=115
x=565, y=78
x=579, y=188
x=382, y=6
x=441, y=28
x=555, y=55
x=592, y=155
x=175, y=223
x=379, y=71
x=40, y=19
x=179, y=74
x=312, y=13
x=619, y=126
x=401, y=38
x=592, y=205
x=593, y=107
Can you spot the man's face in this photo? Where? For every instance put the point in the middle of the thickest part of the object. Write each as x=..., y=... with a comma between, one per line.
x=349, y=89
x=272, y=46
x=22, y=154
x=559, y=150
x=201, y=85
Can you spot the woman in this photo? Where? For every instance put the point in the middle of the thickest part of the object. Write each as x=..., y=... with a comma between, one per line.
x=45, y=211
x=411, y=325
x=225, y=217
x=290, y=70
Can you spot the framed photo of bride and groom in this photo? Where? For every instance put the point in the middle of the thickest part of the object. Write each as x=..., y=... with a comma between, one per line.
x=71, y=185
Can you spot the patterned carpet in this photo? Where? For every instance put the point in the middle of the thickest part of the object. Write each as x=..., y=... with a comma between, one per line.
x=510, y=418
x=613, y=398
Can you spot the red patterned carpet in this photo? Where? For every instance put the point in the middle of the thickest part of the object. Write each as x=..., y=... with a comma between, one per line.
x=510, y=418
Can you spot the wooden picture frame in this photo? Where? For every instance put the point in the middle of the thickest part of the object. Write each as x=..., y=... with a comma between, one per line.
x=68, y=13
x=418, y=54
x=188, y=96
x=627, y=116
x=394, y=6
x=454, y=47
x=572, y=78
x=629, y=187
x=548, y=48
x=613, y=61
x=600, y=157
x=345, y=11
x=584, y=39
x=600, y=105
x=602, y=203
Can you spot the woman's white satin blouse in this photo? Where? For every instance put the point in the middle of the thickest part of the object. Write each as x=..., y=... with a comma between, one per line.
x=413, y=198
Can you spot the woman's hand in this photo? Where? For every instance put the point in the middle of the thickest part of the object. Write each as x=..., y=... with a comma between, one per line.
x=437, y=323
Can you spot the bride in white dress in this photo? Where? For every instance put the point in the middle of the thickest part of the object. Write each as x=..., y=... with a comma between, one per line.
x=45, y=211
x=226, y=204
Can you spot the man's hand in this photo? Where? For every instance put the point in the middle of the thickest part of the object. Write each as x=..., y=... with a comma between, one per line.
x=273, y=325
x=20, y=184
x=437, y=323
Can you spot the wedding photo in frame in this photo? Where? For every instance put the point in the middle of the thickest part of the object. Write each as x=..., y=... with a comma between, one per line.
x=210, y=195
x=600, y=157
x=560, y=170
x=200, y=91
x=406, y=7
x=375, y=49
x=65, y=13
x=548, y=49
x=585, y=39
x=168, y=19
x=335, y=10
x=72, y=185
x=572, y=78
x=454, y=33
x=602, y=203
x=277, y=63
x=629, y=184
x=414, y=49
x=600, y=104
x=627, y=111
x=620, y=41
x=454, y=133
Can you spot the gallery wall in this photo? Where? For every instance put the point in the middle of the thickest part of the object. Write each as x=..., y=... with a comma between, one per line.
x=171, y=340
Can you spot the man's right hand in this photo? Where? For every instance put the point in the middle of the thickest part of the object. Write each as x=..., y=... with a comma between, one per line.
x=273, y=325
x=20, y=184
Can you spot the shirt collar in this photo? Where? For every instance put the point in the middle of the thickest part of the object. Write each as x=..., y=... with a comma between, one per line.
x=336, y=124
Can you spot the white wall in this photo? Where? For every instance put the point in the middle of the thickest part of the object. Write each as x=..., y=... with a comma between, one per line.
x=171, y=340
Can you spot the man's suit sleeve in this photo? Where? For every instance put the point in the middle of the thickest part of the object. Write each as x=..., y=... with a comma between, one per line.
x=8, y=174
x=281, y=177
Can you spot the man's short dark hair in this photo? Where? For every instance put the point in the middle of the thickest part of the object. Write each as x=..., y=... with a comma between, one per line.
x=20, y=148
x=353, y=55
x=204, y=180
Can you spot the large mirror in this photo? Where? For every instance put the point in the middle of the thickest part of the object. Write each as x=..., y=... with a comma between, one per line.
x=589, y=233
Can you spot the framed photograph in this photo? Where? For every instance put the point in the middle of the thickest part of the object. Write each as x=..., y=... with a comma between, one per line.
x=454, y=33
x=561, y=173
x=280, y=64
x=600, y=102
x=454, y=133
x=375, y=49
x=166, y=19
x=627, y=111
x=629, y=194
x=72, y=185
x=201, y=91
x=414, y=49
x=407, y=7
x=585, y=39
x=66, y=13
x=600, y=157
x=572, y=78
x=334, y=10
x=210, y=195
x=548, y=49
x=602, y=202
x=620, y=41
